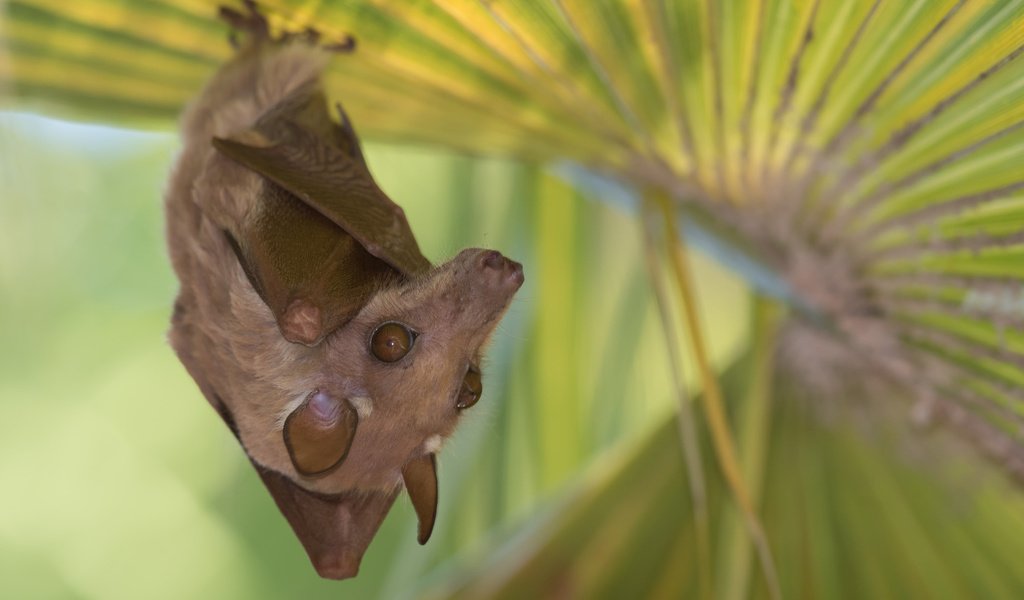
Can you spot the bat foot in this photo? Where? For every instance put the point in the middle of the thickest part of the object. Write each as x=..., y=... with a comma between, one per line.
x=251, y=21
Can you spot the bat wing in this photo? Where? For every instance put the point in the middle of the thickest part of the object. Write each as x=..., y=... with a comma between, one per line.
x=321, y=234
x=334, y=530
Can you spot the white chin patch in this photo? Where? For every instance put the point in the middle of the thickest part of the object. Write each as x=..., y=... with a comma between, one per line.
x=433, y=444
x=363, y=406
x=294, y=403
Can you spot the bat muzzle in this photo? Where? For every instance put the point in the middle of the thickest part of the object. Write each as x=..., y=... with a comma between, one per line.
x=498, y=272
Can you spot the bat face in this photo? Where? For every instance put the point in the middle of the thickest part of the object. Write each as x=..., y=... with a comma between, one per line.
x=401, y=366
x=413, y=348
x=332, y=349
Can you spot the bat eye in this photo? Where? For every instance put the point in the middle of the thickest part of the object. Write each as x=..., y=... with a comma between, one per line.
x=391, y=341
x=472, y=387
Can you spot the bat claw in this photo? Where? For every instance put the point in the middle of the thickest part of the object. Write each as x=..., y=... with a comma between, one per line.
x=253, y=22
x=344, y=46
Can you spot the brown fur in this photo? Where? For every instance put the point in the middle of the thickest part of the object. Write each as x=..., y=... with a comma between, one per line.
x=226, y=336
x=229, y=340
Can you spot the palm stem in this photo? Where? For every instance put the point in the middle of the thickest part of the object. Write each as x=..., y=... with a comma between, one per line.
x=755, y=421
x=685, y=420
x=712, y=398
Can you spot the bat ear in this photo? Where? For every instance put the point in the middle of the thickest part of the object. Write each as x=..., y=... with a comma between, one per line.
x=322, y=233
x=420, y=477
x=334, y=530
x=319, y=433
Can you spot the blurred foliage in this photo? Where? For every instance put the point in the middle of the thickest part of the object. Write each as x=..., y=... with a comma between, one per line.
x=846, y=519
x=859, y=161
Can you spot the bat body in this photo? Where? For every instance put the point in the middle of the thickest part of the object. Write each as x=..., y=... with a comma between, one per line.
x=339, y=357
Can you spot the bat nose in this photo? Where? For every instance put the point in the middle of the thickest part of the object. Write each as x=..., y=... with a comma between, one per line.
x=516, y=276
x=508, y=271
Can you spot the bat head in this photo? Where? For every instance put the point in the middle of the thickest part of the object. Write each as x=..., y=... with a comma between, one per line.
x=413, y=352
x=396, y=377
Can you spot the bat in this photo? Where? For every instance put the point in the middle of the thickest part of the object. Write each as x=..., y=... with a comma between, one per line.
x=337, y=354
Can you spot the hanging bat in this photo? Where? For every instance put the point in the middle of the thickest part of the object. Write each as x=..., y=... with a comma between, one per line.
x=335, y=352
